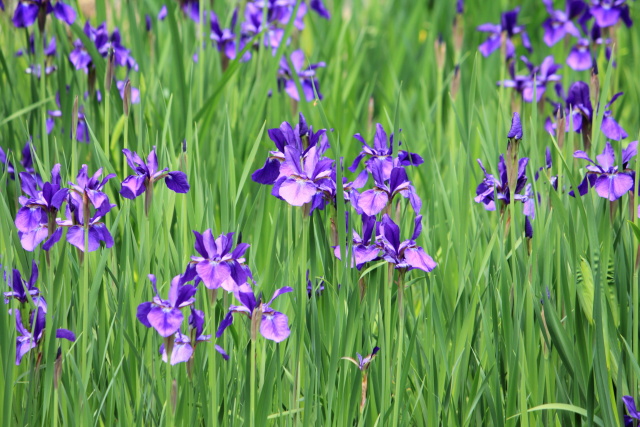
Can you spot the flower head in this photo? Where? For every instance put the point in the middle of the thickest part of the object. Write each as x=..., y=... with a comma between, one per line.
x=406, y=255
x=306, y=75
x=559, y=23
x=273, y=325
x=218, y=265
x=28, y=11
x=509, y=27
x=29, y=337
x=363, y=362
x=20, y=289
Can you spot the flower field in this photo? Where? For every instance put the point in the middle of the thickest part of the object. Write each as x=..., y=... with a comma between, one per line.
x=319, y=212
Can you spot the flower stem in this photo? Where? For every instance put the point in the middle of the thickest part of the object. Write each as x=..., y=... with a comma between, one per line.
x=252, y=385
x=400, y=351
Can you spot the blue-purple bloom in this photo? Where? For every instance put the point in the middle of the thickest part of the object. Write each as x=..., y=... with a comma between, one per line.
x=363, y=362
x=306, y=75
x=103, y=41
x=508, y=26
x=607, y=13
x=579, y=100
x=559, y=23
x=381, y=152
x=165, y=316
x=20, y=289
x=27, y=340
x=273, y=325
x=373, y=201
x=219, y=266
x=36, y=219
x=225, y=39
x=500, y=187
x=604, y=175
x=536, y=80
x=630, y=403
x=405, y=255
x=147, y=174
x=28, y=11
x=366, y=248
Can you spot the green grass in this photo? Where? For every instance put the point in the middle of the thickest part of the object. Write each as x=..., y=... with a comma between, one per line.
x=482, y=343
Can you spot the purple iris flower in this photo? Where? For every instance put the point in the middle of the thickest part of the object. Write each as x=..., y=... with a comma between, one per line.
x=490, y=185
x=274, y=325
x=630, y=403
x=608, y=12
x=363, y=362
x=165, y=316
x=225, y=39
x=604, y=175
x=29, y=338
x=28, y=11
x=20, y=289
x=307, y=77
x=184, y=345
x=537, y=79
x=147, y=174
x=103, y=41
x=579, y=99
x=135, y=92
x=406, y=255
x=508, y=26
x=219, y=266
x=253, y=25
x=365, y=249
x=36, y=219
x=97, y=230
x=318, y=7
x=382, y=152
x=319, y=287
x=580, y=58
x=162, y=13
x=373, y=201
x=302, y=137
x=559, y=24
x=305, y=178
x=50, y=50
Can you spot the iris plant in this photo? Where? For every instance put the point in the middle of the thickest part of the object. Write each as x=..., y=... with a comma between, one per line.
x=306, y=76
x=28, y=11
x=29, y=337
x=501, y=35
x=21, y=291
x=559, y=23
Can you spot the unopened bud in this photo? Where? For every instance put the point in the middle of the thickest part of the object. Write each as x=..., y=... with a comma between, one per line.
x=127, y=97
x=256, y=320
x=455, y=82
x=74, y=119
x=561, y=126
x=440, y=48
x=594, y=86
x=458, y=33
x=108, y=77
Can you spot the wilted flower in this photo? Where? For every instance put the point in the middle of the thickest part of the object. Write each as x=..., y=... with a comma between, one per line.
x=272, y=324
x=604, y=175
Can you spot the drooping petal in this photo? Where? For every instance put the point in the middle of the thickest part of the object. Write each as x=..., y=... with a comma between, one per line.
x=64, y=12
x=416, y=257
x=213, y=273
x=133, y=186
x=177, y=181
x=65, y=334
x=29, y=218
x=143, y=312
x=612, y=129
x=373, y=201
x=268, y=173
x=226, y=322
x=30, y=240
x=297, y=191
x=613, y=186
x=166, y=321
x=275, y=326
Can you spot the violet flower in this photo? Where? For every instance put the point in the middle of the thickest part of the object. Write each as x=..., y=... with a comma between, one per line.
x=272, y=324
x=375, y=200
x=318, y=7
x=27, y=340
x=559, y=24
x=364, y=249
x=219, y=266
x=36, y=219
x=225, y=39
x=580, y=58
x=147, y=174
x=183, y=349
x=20, y=289
x=609, y=182
x=319, y=287
x=630, y=403
x=302, y=137
x=306, y=75
x=536, y=80
x=382, y=152
x=406, y=255
x=508, y=26
x=363, y=362
x=165, y=316
x=253, y=26
x=579, y=99
x=28, y=11
x=96, y=229
x=500, y=186
x=607, y=13
x=103, y=41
